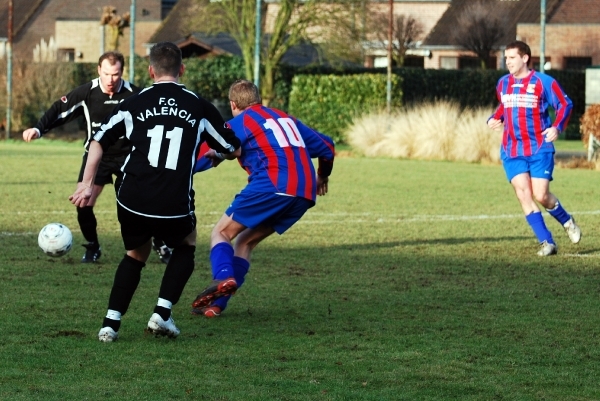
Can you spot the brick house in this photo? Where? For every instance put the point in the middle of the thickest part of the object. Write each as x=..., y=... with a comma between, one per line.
x=572, y=30
x=179, y=29
x=74, y=26
x=176, y=28
x=193, y=42
x=426, y=12
x=572, y=34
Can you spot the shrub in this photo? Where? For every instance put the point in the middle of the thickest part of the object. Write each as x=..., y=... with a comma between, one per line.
x=35, y=87
x=324, y=97
x=329, y=103
x=590, y=124
x=469, y=88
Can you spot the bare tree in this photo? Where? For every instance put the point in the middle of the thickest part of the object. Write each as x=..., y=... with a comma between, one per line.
x=479, y=29
x=349, y=26
x=407, y=31
x=115, y=23
x=237, y=17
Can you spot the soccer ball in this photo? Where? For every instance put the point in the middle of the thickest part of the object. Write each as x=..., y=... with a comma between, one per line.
x=55, y=239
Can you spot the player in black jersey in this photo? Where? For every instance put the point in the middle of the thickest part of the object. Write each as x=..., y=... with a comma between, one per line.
x=94, y=101
x=165, y=125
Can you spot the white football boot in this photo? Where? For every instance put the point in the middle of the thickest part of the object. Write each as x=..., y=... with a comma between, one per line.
x=158, y=327
x=108, y=335
x=547, y=249
x=573, y=230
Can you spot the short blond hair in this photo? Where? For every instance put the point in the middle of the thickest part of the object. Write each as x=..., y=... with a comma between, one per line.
x=244, y=94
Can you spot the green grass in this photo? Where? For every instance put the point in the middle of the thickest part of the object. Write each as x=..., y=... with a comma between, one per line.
x=410, y=280
x=570, y=145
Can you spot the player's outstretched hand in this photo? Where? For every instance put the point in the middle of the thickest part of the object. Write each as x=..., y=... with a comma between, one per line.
x=30, y=134
x=322, y=185
x=81, y=196
x=214, y=157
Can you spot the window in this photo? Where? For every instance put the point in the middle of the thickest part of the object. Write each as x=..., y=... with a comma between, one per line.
x=380, y=62
x=577, y=63
x=449, y=63
x=466, y=63
x=67, y=55
x=414, y=61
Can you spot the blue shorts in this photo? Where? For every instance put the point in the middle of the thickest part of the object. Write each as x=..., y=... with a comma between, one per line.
x=253, y=209
x=540, y=165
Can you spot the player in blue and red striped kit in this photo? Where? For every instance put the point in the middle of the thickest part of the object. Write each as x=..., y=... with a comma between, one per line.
x=282, y=185
x=527, y=150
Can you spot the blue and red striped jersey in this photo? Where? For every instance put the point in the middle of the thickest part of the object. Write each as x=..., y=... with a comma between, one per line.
x=276, y=152
x=524, y=107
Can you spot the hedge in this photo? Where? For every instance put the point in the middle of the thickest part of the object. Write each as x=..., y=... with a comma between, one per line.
x=328, y=98
x=328, y=103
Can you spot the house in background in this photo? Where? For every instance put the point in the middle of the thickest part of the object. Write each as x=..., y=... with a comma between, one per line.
x=73, y=26
x=178, y=29
x=572, y=39
x=426, y=12
x=572, y=34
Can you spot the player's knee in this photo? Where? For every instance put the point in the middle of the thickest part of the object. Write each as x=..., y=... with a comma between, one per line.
x=243, y=247
x=224, y=233
x=542, y=197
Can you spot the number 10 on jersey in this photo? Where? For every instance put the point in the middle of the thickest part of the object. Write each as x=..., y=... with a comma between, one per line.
x=291, y=132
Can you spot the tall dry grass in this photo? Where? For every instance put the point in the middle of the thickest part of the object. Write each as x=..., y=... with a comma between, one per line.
x=35, y=86
x=432, y=131
x=590, y=124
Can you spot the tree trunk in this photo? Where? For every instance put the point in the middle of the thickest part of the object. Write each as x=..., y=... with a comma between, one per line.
x=267, y=89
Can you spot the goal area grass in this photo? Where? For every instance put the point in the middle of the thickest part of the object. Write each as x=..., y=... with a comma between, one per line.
x=410, y=280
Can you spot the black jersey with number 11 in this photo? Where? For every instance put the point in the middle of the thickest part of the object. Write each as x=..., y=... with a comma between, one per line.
x=165, y=125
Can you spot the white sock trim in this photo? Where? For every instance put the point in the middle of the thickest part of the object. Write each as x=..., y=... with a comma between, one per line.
x=113, y=315
x=164, y=303
x=554, y=208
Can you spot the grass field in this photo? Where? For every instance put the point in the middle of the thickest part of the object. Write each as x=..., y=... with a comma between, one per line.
x=570, y=146
x=410, y=280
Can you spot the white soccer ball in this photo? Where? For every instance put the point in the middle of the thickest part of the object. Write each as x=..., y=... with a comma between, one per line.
x=55, y=239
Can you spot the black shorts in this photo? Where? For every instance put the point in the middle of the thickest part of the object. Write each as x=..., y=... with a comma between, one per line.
x=109, y=166
x=136, y=230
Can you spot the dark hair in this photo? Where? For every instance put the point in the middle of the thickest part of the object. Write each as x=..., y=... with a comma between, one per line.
x=165, y=59
x=522, y=48
x=113, y=58
x=244, y=94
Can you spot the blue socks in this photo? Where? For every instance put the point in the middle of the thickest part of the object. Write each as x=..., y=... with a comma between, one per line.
x=559, y=213
x=225, y=265
x=240, y=269
x=221, y=261
x=536, y=221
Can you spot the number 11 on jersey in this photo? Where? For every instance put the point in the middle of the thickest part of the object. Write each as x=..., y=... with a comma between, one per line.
x=156, y=137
